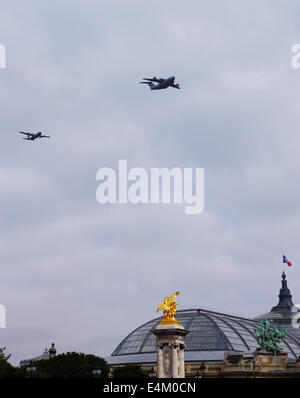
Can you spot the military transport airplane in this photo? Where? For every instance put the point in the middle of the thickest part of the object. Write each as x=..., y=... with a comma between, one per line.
x=32, y=137
x=161, y=83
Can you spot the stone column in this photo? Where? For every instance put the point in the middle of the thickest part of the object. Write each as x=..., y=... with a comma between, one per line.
x=159, y=348
x=175, y=360
x=170, y=350
x=181, y=368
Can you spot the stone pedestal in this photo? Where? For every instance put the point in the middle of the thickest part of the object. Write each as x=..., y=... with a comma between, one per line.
x=267, y=362
x=170, y=350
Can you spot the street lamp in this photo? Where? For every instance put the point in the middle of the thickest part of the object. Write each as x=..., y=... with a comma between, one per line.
x=96, y=372
x=202, y=369
x=52, y=351
x=30, y=370
x=52, y=354
x=200, y=374
x=152, y=373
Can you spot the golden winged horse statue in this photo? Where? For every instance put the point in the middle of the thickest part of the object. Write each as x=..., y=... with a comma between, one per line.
x=169, y=309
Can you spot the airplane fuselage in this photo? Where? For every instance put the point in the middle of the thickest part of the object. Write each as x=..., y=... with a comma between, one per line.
x=165, y=84
x=33, y=137
x=37, y=135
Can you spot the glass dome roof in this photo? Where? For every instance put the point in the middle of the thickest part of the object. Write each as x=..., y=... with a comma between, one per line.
x=208, y=331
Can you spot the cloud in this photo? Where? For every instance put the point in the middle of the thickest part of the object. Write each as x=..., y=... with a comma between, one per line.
x=85, y=275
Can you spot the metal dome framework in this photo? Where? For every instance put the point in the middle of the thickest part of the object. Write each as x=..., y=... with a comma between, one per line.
x=208, y=331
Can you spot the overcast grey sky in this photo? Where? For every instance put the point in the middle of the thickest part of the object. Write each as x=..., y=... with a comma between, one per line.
x=83, y=274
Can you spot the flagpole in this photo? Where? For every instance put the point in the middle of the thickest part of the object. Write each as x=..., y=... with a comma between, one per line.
x=284, y=263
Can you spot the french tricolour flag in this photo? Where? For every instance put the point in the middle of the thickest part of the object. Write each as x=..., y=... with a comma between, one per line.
x=285, y=260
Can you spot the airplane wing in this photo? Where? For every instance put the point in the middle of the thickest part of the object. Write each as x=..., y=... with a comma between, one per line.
x=28, y=134
x=45, y=136
x=154, y=79
x=175, y=86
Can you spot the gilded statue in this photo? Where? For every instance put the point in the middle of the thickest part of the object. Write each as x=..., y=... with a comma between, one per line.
x=169, y=309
